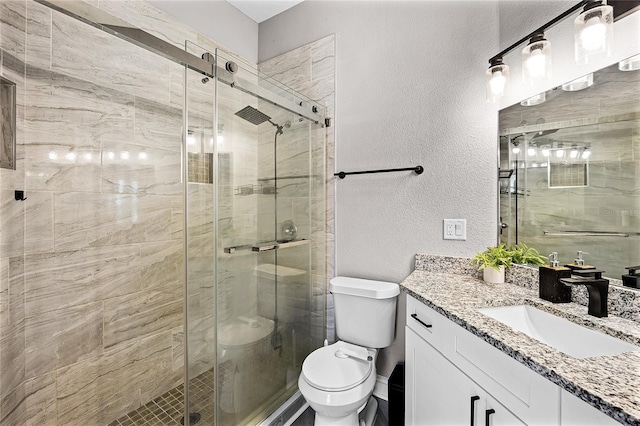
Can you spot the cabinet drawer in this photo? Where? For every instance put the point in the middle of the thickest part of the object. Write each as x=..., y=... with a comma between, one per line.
x=427, y=323
x=528, y=395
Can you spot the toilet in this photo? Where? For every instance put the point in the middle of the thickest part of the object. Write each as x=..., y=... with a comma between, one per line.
x=337, y=380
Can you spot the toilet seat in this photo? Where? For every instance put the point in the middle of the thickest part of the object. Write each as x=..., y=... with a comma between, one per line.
x=328, y=369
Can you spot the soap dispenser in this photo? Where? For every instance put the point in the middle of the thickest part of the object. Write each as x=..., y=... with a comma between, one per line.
x=578, y=263
x=632, y=279
x=551, y=289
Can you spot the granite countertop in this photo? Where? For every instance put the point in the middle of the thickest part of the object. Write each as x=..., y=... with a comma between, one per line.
x=610, y=383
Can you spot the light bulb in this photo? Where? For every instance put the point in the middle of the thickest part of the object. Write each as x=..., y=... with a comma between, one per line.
x=496, y=84
x=536, y=60
x=496, y=80
x=586, y=153
x=593, y=35
x=536, y=64
x=573, y=153
x=531, y=151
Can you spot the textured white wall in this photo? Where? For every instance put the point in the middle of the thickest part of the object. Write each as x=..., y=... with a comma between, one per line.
x=410, y=90
x=219, y=21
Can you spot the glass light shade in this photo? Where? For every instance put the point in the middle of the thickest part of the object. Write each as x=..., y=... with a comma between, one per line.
x=534, y=100
x=586, y=153
x=573, y=153
x=630, y=64
x=579, y=83
x=536, y=62
x=531, y=151
x=516, y=150
x=559, y=153
x=497, y=82
x=593, y=34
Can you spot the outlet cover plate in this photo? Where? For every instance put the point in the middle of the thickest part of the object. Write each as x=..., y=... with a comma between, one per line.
x=455, y=229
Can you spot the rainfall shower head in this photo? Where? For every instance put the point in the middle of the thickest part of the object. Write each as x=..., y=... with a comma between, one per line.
x=252, y=115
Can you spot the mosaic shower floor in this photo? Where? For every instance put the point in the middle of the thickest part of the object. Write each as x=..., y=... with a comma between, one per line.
x=167, y=409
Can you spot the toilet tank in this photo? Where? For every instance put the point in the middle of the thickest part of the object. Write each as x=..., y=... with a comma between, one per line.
x=365, y=310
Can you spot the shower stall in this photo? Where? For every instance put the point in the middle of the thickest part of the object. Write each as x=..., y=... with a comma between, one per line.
x=165, y=262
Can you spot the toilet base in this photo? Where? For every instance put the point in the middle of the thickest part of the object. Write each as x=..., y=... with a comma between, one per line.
x=365, y=416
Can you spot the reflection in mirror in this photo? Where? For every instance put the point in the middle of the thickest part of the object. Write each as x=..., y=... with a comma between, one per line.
x=7, y=124
x=570, y=171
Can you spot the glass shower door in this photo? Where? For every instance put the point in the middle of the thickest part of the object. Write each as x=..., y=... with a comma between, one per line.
x=263, y=261
x=200, y=173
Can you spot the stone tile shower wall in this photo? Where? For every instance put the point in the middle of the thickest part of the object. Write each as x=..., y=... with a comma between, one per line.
x=91, y=281
x=310, y=70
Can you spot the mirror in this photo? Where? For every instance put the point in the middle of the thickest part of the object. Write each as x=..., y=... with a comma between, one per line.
x=570, y=171
x=7, y=124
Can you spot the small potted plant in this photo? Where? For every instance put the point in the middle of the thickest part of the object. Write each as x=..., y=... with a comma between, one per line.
x=522, y=254
x=492, y=262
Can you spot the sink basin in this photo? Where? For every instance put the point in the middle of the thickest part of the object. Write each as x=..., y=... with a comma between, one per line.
x=559, y=333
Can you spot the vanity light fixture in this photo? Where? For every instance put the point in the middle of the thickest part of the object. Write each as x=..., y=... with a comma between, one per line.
x=579, y=83
x=534, y=100
x=536, y=60
x=593, y=32
x=593, y=36
x=497, y=80
x=630, y=64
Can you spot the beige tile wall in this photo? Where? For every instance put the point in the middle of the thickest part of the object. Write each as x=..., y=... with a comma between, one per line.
x=91, y=281
x=310, y=70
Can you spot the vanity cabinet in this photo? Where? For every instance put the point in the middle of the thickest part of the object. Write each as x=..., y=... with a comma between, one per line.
x=452, y=377
x=576, y=412
x=438, y=393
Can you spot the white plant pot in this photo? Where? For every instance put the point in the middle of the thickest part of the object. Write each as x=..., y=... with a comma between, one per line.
x=493, y=276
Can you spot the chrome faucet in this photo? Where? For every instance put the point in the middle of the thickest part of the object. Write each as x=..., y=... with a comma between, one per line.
x=597, y=287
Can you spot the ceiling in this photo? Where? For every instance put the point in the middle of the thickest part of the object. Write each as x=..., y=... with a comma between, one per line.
x=261, y=10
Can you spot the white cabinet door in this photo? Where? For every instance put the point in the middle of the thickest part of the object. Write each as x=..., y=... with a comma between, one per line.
x=438, y=393
x=496, y=414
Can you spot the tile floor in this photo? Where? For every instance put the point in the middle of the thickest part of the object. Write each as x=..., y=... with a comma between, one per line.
x=167, y=409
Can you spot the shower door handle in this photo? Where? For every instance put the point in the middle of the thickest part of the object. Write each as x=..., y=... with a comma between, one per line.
x=264, y=247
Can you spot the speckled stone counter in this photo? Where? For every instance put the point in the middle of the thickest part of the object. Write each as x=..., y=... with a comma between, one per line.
x=609, y=383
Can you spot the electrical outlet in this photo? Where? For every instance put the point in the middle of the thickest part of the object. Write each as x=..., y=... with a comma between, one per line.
x=455, y=229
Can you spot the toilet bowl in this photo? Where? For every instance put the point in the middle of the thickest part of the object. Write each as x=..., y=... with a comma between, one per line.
x=337, y=380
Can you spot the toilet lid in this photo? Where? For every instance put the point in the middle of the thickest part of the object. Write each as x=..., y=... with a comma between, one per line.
x=329, y=369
